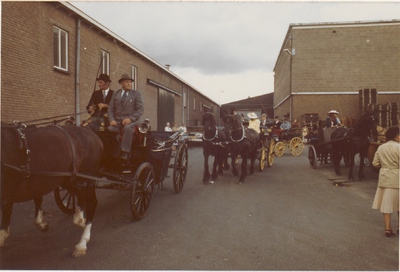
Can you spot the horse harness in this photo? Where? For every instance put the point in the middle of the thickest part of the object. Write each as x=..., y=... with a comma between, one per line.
x=214, y=140
x=26, y=152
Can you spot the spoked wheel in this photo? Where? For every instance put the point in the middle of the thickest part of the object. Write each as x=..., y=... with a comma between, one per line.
x=271, y=152
x=296, y=146
x=142, y=191
x=66, y=199
x=312, y=156
x=280, y=149
x=180, y=168
x=263, y=157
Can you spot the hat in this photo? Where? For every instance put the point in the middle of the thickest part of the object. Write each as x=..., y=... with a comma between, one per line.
x=252, y=115
x=104, y=77
x=333, y=111
x=276, y=117
x=263, y=115
x=125, y=77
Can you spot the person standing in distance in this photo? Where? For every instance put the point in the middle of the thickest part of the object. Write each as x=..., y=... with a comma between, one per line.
x=125, y=112
x=387, y=194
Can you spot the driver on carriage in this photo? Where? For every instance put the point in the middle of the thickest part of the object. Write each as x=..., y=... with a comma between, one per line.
x=125, y=113
x=254, y=122
x=98, y=105
x=332, y=120
x=285, y=126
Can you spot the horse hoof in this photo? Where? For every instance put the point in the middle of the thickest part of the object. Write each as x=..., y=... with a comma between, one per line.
x=79, y=252
x=45, y=227
x=241, y=182
x=208, y=182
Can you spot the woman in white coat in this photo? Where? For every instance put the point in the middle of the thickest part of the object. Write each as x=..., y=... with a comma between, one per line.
x=387, y=194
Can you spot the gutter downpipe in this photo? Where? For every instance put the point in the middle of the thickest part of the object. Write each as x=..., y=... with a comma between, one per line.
x=78, y=49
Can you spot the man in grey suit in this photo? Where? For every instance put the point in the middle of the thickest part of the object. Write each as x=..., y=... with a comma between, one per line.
x=125, y=112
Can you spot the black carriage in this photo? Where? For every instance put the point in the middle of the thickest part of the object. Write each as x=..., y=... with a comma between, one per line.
x=320, y=146
x=153, y=153
x=291, y=139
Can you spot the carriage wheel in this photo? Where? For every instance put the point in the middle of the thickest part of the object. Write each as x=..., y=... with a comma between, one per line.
x=263, y=158
x=296, y=146
x=312, y=156
x=180, y=168
x=65, y=199
x=271, y=152
x=280, y=149
x=142, y=191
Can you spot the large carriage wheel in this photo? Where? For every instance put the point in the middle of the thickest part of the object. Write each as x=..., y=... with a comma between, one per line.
x=296, y=146
x=280, y=149
x=312, y=156
x=142, y=191
x=271, y=152
x=66, y=199
x=180, y=167
x=263, y=158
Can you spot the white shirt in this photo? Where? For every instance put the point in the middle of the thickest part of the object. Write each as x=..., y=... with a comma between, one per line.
x=167, y=129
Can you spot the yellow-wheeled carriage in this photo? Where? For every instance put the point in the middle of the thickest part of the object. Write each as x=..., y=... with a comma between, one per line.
x=291, y=139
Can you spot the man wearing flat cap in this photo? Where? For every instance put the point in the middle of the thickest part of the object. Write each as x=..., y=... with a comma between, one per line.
x=125, y=112
x=98, y=105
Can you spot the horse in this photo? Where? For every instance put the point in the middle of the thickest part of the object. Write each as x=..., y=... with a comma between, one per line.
x=214, y=144
x=37, y=160
x=244, y=141
x=353, y=141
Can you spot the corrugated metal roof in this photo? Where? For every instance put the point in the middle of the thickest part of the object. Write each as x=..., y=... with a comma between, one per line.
x=115, y=36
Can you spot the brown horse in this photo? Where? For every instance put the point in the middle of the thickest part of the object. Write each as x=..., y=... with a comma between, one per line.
x=35, y=161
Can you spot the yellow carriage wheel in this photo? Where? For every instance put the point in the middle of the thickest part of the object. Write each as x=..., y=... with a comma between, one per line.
x=262, y=158
x=271, y=152
x=296, y=146
x=280, y=149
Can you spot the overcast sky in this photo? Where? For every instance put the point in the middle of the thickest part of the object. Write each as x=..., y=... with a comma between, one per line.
x=223, y=46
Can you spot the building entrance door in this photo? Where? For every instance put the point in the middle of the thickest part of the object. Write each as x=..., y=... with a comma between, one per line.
x=166, y=108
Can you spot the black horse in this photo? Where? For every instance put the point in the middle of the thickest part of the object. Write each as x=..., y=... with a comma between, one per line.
x=215, y=143
x=352, y=141
x=35, y=161
x=244, y=141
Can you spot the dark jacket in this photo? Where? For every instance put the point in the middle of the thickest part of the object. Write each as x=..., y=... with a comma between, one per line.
x=97, y=97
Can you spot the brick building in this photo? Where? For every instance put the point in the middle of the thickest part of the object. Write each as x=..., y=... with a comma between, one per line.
x=322, y=66
x=52, y=53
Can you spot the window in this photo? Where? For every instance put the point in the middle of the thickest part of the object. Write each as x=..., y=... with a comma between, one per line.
x=134, y=76
x=60, y=48
x=184, y=99
x=194, y=103
x=201, y=106
x=105, y=67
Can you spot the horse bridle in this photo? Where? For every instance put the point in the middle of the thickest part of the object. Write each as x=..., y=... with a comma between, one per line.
x=236, y=129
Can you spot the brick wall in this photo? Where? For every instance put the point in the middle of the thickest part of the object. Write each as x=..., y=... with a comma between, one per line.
x=338, y=59
x=32, y=89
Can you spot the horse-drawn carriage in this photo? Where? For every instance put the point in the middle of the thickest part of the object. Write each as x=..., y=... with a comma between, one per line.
x=342, y=142
x=153, y=153
x=287, y=138
x=73, y=161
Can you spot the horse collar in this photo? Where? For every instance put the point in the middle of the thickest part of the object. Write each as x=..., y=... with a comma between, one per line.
x=215, y=136
x=243, y=135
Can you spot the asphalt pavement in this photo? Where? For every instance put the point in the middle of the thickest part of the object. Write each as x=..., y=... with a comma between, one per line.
x=288, y=217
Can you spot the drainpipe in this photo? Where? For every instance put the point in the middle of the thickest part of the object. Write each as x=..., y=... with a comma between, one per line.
x=78, y=51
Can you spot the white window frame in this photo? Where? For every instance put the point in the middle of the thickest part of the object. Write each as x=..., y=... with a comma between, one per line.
x=184, y=99
x=105, y=67
x=134, y=77
x=60, y=54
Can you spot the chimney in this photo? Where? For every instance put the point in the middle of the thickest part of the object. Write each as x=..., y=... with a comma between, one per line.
x=167, y=66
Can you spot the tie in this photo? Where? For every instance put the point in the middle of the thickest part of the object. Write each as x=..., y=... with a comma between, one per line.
x=104, y=96
x=124, y=96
